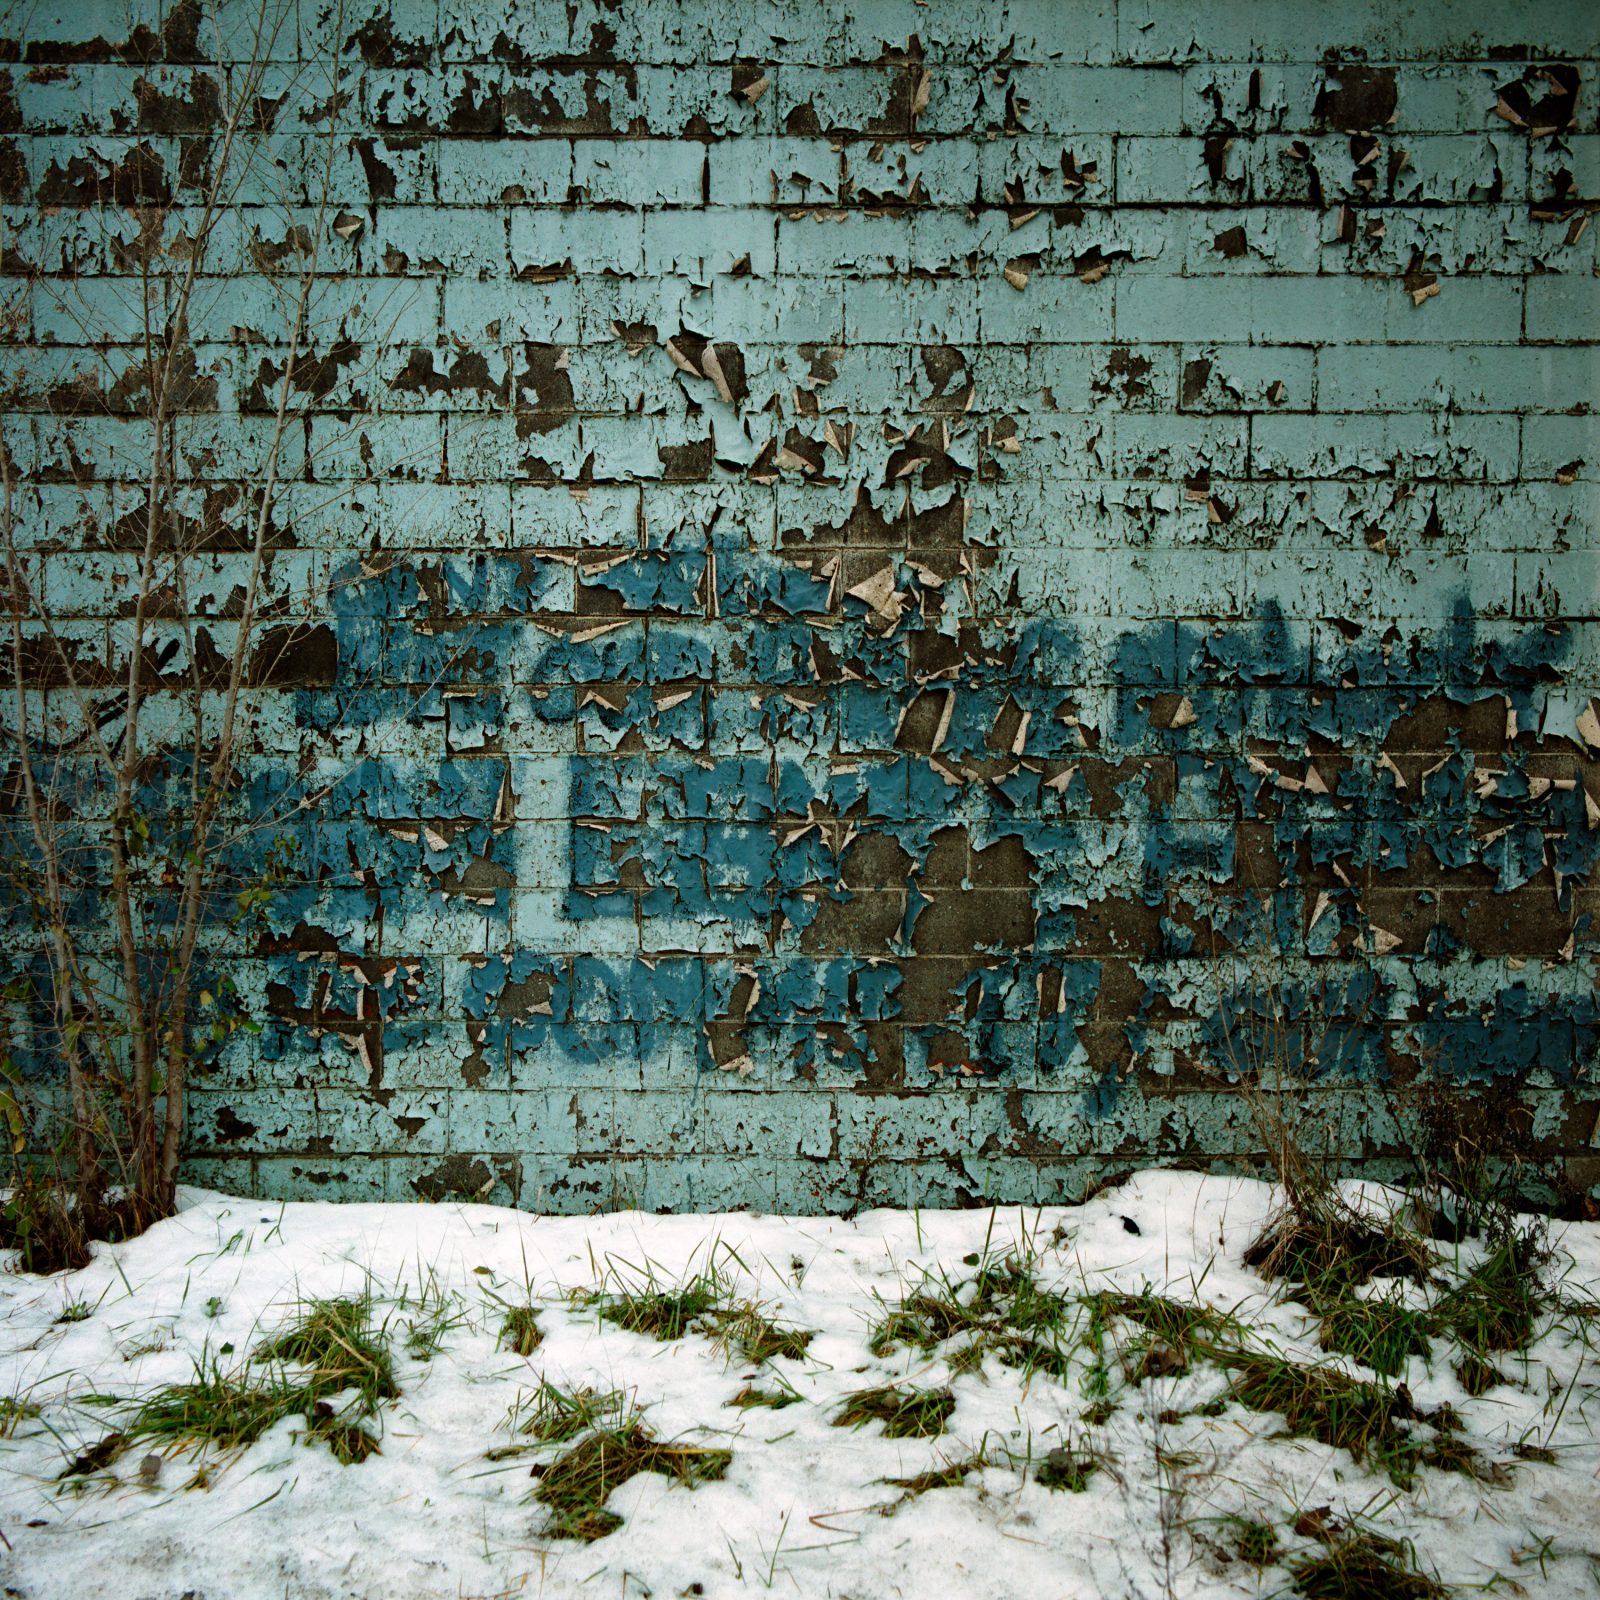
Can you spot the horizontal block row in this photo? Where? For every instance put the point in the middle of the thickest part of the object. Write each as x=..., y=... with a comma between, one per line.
x=841, y=101
x=1016, y=170
x=971, y=388
x=1317, y=310
x=1198, y=459
x=745, y=523
x=860, y=240
x=426, y=33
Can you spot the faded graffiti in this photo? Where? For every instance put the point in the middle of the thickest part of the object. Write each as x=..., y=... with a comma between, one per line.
x=874, y=613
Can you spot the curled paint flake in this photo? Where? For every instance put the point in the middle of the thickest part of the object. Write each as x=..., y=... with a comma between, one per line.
x=879, y=592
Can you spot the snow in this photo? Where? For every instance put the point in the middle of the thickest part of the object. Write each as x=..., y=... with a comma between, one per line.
x=803, y=1507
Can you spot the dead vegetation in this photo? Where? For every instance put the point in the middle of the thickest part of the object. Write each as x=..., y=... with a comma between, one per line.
x=329, y=1367
x=576, y=1484
x=1362, y=1565
x=745, y=1331
x=1373, y=1296
x=905, y=1413
x=1001, y=1310
x=519, y=1331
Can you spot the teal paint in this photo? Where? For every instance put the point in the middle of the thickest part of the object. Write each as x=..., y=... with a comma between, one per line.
x=872, y=594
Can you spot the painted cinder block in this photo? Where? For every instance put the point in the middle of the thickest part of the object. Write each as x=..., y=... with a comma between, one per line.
x=846, y=573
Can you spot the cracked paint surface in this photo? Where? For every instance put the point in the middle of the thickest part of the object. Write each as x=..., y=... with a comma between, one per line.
x=876, y=603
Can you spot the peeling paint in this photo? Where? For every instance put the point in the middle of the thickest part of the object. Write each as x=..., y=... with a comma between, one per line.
x=866, y=619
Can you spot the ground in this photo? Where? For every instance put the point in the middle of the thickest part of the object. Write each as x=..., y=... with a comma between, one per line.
x=260, y=1400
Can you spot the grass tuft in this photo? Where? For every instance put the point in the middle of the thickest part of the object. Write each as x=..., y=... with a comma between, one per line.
x=1318, y=1403
x=1476, y=1375
x=215, y=1410
x=1068, y=1469
x=1327, y=1244
x=1381, y=1333
x=949, y=1475
x=1255, y=1543
x=335, y=1340
x=520, y=1332
x=773, y=1399
x=1001, y=1310
x=1174, y=1334
x=350, y=1443
x=1449, y=1454
x=13, y=1412
x=1364, y=1566
x=556, y=1415
x=229, y=1411
x=661, y=1310
x=745, y=1330
x=437, y=1312
x=575, y=1485
x=904, y=1413
x=1496, y=1305
x=96, y=1458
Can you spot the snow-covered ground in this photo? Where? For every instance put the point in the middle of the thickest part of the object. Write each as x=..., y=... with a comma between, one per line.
x=447, y=1507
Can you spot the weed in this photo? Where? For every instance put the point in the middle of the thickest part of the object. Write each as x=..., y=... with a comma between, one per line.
x=437, y=1312
x=1476, y=1375
x=519, y=1332
x=575, y=1485
x=1065, y=1468
x=334, y=1339
x=556, y=1415
x=213, y=1410
x=772, y=1399
x=904, y=1413
x=1496, y=1305
x=1254, y=1542
x=78, y=1310
x=1363, y=1566
x=746, y=1330
x=13, y=1411
x=1381, y=1333
x=1321, y=1404
x=663, y=1311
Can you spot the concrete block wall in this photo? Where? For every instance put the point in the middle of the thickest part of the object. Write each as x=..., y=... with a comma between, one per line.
x=868, y=595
